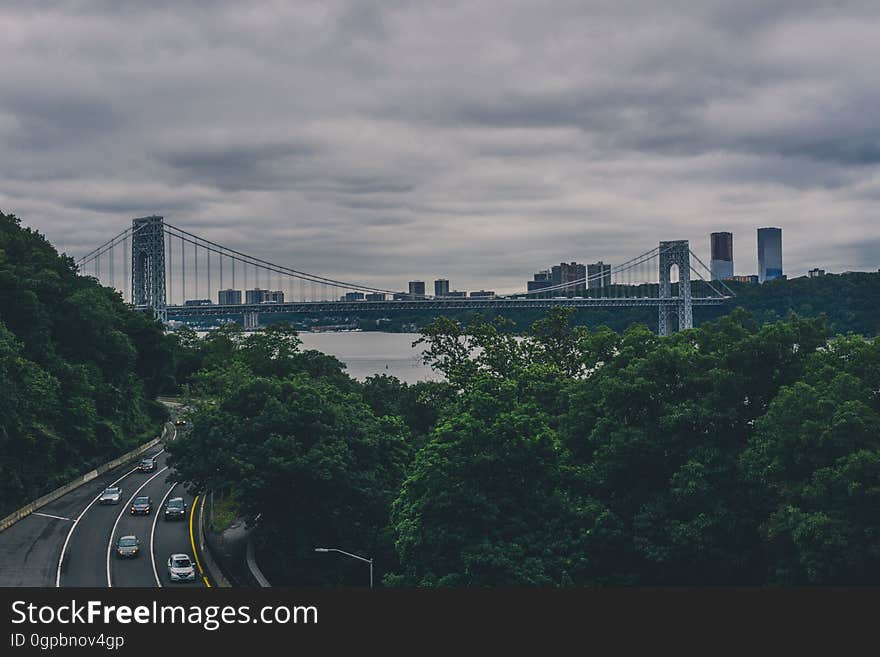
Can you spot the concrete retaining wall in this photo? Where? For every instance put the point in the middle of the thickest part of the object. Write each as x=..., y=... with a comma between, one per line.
x=28, y=509
x=253, y=567
x=210, y=565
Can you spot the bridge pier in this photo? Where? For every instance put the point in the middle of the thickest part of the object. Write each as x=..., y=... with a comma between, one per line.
x=251, y=320
x=676, y=253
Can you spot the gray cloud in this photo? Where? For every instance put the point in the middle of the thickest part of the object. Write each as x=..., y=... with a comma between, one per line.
x=387, y=141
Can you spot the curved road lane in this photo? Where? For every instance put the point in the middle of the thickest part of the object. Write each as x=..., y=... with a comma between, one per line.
x=159, y=538
x=81, y=531
x=30, y=548
x=85, y=556
x=90, y=554
x=137, y=571
x=172, y=536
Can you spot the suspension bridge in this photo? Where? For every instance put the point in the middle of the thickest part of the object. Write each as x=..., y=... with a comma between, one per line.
x=174, y=273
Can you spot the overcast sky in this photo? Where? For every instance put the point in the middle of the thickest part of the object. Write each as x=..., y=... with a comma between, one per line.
x=479, y=140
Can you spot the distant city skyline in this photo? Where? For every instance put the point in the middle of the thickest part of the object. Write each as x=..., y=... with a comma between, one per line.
x=380, y=142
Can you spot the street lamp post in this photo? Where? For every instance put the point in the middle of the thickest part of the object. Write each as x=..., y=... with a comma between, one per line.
x=349, y=554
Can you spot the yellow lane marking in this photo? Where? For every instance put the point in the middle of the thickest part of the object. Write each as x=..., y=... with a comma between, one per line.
x=192, y=513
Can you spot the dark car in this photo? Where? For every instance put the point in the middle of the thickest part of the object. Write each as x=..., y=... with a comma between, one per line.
x=147, y=464
x=175, y=509
x=180, y=423
x=128, y=547
x=141, y=506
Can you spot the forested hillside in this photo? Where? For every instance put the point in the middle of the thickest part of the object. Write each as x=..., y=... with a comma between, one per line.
x=79, y=370
x=850, y=302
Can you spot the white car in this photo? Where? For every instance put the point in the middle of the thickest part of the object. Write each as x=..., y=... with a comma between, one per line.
x=180, y=568
x=110, y=495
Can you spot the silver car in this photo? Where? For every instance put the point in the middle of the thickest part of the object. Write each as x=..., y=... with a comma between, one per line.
x=128, y=547
x=110, y=495
x=180, y=568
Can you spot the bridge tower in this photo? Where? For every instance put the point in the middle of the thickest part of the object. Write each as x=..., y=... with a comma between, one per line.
x=677, y=253
x=148, y=264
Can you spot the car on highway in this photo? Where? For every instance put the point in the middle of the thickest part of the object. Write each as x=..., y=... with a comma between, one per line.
x=147, y=465
x=128, y=547
x=141, y=506
x=110, y=495
x=175, y=509
x=180, y=568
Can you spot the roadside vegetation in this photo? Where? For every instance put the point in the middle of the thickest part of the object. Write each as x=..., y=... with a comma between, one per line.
x=79, y=371
x=225, y=510
x=316, y=455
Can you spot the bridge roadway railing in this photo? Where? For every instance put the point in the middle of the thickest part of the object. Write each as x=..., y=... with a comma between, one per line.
x=427, y=304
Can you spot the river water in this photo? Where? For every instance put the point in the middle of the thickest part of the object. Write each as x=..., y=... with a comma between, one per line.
x=371, y=352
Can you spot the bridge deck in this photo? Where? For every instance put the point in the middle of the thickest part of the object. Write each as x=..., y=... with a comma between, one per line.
x=425, y=304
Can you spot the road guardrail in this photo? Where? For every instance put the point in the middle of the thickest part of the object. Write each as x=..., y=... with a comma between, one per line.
x=40, y=502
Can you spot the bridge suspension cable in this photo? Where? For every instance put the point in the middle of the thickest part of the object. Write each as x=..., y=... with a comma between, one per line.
x=265, y=265
x=709, y=281
x=616, y=270
x=106, y=246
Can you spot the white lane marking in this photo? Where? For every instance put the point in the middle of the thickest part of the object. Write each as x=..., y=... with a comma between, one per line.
x=79, y=517
x=153, y=534
x=49, y=515
x=119, y=517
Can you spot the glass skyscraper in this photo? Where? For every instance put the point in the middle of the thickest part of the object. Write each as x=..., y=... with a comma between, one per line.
x=721, y=264
x=769, y=254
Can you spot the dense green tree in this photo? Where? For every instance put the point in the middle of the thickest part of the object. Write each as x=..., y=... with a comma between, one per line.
x=733, y=453
x=78, y=369
x=304, y=454
x=814, y=461
x=419, y=405
x=488, y=502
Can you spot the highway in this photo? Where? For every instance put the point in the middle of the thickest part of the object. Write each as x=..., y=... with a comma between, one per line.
x=71, y=542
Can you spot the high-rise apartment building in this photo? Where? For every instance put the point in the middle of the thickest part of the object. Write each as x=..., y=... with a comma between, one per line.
x=721, y=264
x=599, y=275
x=441, y=287
x=417, y=288
x=229, y=297
x=541, y=280
x=769, y=254
x=258, y=295
x=571, y=275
